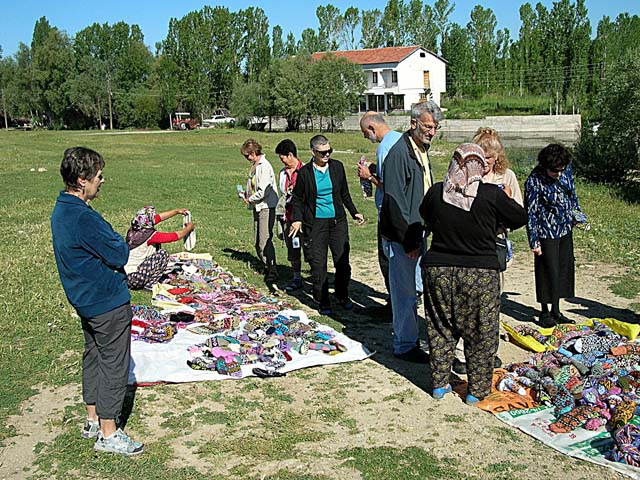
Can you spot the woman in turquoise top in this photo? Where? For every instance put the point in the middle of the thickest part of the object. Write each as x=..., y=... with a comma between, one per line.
x=320, y=197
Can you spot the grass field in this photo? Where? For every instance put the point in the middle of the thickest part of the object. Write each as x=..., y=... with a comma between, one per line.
x=41, y=341
x=489, y=105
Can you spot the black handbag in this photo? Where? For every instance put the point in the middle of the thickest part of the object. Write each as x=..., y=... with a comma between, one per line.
x=501, y=252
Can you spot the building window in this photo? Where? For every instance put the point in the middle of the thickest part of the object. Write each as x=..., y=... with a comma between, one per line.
x=396, y=102
x=374, y=78
x=426, y=79
x=394, y=76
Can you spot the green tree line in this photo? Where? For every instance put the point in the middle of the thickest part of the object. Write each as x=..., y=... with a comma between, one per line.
x=216, y=58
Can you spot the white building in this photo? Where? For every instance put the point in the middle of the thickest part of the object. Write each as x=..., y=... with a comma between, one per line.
x=398, y=77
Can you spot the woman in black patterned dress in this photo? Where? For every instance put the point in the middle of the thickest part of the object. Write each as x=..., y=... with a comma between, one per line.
x=460, y=269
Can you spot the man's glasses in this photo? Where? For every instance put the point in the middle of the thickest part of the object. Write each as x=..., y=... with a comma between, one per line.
x=324, y=153
x=557, y=170
x=426, y=127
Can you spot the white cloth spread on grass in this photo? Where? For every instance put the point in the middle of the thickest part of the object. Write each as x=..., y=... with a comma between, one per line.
x=167, y=362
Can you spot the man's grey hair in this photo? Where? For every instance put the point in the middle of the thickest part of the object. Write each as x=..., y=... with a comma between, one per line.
x=430, y=107
x=318, y=140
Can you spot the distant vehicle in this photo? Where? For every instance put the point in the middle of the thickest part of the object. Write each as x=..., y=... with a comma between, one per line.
x=183, y=121
x=219, y=120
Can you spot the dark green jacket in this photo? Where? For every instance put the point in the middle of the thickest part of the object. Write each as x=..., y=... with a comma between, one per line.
x=403, y=177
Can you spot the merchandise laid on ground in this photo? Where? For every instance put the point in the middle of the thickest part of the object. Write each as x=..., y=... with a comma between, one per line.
x=579, y=393
x=206, y=324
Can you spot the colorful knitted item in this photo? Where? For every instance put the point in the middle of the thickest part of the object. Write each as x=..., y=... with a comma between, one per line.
x=623, y=413
x=626, y=445
x=596, y=343
x=563, y=401
x=573, y=419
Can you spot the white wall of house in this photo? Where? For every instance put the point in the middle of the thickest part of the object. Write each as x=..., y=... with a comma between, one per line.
x=410, y=78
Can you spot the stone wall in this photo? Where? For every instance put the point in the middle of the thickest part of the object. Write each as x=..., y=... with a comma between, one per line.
x=515, y=131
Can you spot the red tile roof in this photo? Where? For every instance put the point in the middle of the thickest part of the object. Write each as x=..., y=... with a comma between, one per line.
x=372, y=55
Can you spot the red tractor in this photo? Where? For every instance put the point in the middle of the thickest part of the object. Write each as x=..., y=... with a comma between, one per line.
x=183, y=121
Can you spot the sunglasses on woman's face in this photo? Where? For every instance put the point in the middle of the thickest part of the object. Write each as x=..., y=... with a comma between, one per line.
x=557, y=170
x=324, y=153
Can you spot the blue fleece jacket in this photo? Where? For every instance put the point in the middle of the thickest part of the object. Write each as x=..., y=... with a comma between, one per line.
x=90, y=256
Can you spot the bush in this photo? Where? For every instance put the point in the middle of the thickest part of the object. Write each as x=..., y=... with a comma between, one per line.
x=610, y=152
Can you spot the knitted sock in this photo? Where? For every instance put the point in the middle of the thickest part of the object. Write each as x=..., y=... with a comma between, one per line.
x=563, y=401
x=623, y=413
x=573, y=419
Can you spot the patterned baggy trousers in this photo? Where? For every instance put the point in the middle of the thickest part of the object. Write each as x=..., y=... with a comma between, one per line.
x=462, y=302
x=149, y=271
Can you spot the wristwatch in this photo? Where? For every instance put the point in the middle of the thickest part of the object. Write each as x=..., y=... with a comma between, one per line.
x=370, y=177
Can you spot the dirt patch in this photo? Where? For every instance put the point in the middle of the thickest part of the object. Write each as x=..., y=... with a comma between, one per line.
x=40, y=420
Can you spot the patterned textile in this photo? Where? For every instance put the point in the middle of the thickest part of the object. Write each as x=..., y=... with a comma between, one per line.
x=142, y=227
x=626, y=445
x=574, y=419
x=149, y=271
x=550, y=205
x=463, y=302
x=464, y=175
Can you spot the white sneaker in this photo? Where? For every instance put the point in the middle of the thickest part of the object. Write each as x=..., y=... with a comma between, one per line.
x=119, y=442
x=90, y=429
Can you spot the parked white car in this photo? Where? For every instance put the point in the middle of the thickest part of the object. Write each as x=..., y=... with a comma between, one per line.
x=218, y=120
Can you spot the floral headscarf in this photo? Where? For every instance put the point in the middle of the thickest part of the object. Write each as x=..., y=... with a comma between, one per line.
x=464, y=175
x=142, y=226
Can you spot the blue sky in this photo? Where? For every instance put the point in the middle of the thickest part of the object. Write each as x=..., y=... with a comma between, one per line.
x=17, y=17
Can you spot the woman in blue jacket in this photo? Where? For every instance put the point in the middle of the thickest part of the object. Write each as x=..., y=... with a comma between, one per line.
x=90, y=257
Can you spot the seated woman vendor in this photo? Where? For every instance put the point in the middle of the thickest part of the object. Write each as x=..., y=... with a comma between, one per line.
x=147, y=261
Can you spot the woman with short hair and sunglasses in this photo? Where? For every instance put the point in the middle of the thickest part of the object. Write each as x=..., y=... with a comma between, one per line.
x=553, y=210
x=320, y=197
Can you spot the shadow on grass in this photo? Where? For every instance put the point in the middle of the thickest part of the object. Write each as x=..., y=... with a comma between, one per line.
x=518, y=311
x=127, y=406
x=594, y=309
x=369, y=322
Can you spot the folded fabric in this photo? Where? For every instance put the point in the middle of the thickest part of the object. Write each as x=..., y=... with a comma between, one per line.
x=190, y=240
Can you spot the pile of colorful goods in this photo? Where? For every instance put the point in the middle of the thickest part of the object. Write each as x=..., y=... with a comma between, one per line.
x=242, y=325
x=590, y=375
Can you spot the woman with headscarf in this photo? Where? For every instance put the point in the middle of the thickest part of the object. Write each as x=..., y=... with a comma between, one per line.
x=553, y=209
x=147, y=260
x=460, y=269
x=497, y=171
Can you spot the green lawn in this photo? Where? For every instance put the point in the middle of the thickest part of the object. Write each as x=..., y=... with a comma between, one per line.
x=197, y=170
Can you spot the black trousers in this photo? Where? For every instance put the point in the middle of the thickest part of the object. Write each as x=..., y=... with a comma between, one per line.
x=329, y=233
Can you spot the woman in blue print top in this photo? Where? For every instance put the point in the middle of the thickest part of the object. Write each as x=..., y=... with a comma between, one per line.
x=553, y=210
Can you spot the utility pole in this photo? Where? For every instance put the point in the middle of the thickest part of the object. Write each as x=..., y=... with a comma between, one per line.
x=4, y=108
x=110, y=111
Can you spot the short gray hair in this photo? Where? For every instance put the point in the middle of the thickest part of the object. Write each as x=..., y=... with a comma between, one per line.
x=430, y=107
x=318, y=140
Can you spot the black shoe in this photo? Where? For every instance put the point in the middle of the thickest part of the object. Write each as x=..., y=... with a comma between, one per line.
x=345, y=303
x=459, y=367
x=415, y=355
x=560, y=318
x=546, y=320
x=294, y=285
